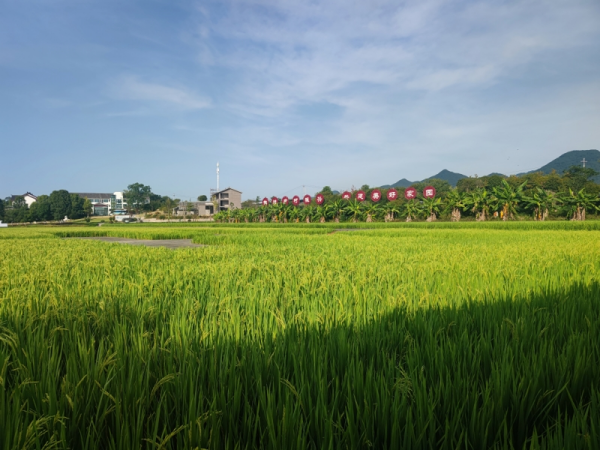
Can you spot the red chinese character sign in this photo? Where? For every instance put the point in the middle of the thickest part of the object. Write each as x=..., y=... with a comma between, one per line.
x=307, y=199
x=346, y=195
x=361, y=196
x=429, y=192
x=274, y=200
x=376, y=195
x=285, y=200
x=410, y=193
x=320, y=199
x=296, y=200
x=392, y=194
x=265, y=201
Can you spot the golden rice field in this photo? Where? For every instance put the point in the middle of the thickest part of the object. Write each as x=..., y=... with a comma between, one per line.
x=293, y=336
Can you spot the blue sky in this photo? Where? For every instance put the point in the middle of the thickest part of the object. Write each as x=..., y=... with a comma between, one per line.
x=96, y=95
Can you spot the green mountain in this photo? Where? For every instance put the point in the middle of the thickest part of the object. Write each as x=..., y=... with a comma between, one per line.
x=573, y=158
x=450, y=177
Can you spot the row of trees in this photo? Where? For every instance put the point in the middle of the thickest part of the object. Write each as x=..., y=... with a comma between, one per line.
x=56, y=206
x=504, y=202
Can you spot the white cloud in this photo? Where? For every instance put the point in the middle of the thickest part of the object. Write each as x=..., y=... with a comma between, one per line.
x=133, y=89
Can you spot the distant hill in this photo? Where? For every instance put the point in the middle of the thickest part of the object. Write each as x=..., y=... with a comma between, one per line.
x=573, y=158
x=560, y=164
x=450, y=177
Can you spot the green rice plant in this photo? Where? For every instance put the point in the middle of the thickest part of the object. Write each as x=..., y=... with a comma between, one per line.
x=474, y=335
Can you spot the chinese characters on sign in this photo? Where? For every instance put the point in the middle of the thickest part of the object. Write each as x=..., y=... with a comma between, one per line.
x=429, y=192
x=410, y=193
x=392, y=194
x=265, y=201
x=376, y=195
x=361, y=196
x=285, y=200
x=320, y=199
x=307, y=199
x=346, y=195
x=274, y=200
x=296, y=200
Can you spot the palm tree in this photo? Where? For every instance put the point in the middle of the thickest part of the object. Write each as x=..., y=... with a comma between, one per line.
x=455, y=201
x=508, y=199
x=354, y=209
x=576, y=204
x=335, y=209
x=431, y=207
x=305, y=213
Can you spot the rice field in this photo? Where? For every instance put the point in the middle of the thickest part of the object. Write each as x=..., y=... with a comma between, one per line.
x=294, y=336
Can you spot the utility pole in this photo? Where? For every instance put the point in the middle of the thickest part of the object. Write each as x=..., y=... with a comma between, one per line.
x=304, y=189
x=217, y=177
x=583, y=161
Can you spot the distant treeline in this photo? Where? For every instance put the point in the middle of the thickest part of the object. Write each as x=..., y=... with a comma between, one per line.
x=537, y=195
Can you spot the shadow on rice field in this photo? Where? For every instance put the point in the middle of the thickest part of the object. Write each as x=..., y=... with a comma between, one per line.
x=518, y=372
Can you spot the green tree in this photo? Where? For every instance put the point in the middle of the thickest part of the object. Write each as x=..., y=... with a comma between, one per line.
x=455, y=201
x=509, y=198
x=576, y=204
x=410, y=210
x=40, y=210
x=137, y=196
x=575, y=177
x=18, y=211
x=202, y=198
x=77, y=210
x=541, y=203
x=1, y=209
x=431, y=208
x=480, y=203
x=60, y=204
x=442, y=187
x=335, y=209
x=354, y=209
x=87, y=207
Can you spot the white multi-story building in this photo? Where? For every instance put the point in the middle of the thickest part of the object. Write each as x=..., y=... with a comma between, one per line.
x=104, y=204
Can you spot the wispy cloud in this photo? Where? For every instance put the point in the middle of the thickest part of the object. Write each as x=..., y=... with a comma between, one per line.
x=133, y=89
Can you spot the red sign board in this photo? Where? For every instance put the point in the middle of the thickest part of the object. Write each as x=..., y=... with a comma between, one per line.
x=392, y=194
x=346, y=195
x=361, y=196
x=274, y=200
x=285, y=200
x=296, y=200
x=307, y=199
x=376, y=195
x=410, y=193
x=429, y=192
x=320, y=199
x=265, y=201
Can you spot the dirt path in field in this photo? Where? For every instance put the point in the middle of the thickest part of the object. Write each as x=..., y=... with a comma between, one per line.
x=168, y=243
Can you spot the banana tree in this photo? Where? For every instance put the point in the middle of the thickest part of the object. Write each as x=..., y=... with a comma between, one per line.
x=541, y=203
x=320, y=213
x=306, y=213
x=294, y=214
x=455, y=201
x=508, y=199
x=372, y=209
x=411, y=210
x=354, y=210
x=335, y=210
x=480, y=202
x=431, y=207
x=576, y=204
x=390, y=210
